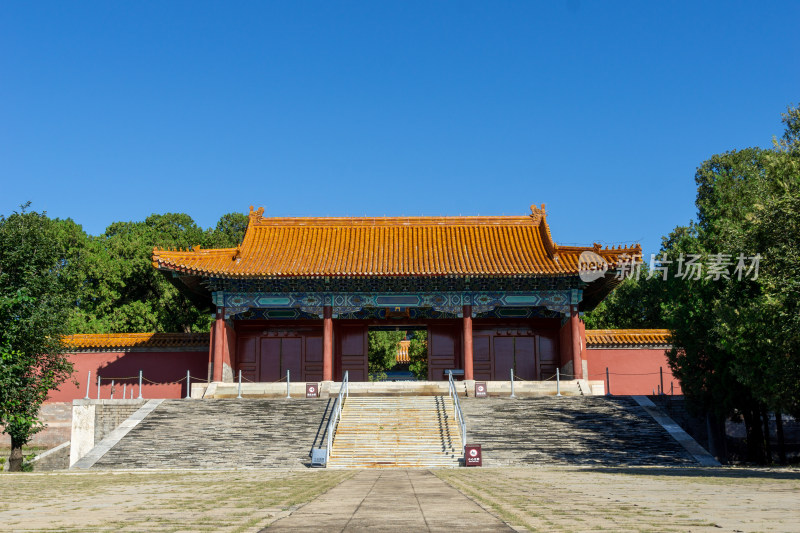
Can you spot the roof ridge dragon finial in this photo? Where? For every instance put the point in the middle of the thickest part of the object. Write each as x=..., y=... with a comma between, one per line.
x=537, y=211
x=257, y=213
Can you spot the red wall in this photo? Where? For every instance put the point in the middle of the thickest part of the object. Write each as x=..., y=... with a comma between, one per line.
x=631, y=370
x=163, y=368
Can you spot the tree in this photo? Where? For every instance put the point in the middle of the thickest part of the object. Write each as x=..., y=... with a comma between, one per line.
x=764, y=329
x=635, y=303
x=383, y=346
x=735, y=337
x=229, y=232
x=418, y=354
x=122, y=292
x=38, y=259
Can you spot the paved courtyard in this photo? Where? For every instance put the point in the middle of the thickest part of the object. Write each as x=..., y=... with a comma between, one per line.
x=489, y=499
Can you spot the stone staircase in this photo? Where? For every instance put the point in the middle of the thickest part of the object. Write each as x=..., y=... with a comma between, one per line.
x=247, y=433
x=410, y=431
x=577, y=430
x=396, y=431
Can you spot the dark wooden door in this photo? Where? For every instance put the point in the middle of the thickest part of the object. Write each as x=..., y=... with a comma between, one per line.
x=503, y=358
x=292, y=358
x=279, y=355
x=443, y=351
x=548, y=356
x=269, y=367
x=313, y=359
x=515, y=352
x=351, y=353
x=482, y=357
x=525, y=358
x=246, y=361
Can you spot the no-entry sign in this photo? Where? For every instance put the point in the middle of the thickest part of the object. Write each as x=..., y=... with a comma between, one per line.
x=480, y=389
x=312, y=390
x=472, y=455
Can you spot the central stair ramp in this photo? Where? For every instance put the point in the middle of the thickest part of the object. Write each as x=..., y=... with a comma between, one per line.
x=391, y=432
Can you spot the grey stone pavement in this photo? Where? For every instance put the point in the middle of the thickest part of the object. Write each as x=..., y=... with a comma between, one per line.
x=391, y=500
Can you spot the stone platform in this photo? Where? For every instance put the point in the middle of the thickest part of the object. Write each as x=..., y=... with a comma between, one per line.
x=522, y=389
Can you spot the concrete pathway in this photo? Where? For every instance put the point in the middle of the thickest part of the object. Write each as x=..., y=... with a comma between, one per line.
x=391, y=500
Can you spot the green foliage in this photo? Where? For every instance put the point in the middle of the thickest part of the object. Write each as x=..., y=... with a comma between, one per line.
x=39, y=259
x=739, y=350
x=121, y=292
x=229, y=232
x=383, y=346
x=55, y=279
x=635, y=303
x=736, y=342
x=762, y=328
x=790, y=142
x=689, y=311
x=418, y=354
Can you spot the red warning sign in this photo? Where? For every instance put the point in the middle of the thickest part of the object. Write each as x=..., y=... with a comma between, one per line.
x=312, y=390
x=472, y=455
x=480, y=389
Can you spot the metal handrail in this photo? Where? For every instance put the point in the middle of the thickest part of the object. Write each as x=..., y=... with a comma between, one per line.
x=336, y=414
x=459, y=415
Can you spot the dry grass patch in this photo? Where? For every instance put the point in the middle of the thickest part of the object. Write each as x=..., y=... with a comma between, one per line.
x=636, y=499
x=158, y=501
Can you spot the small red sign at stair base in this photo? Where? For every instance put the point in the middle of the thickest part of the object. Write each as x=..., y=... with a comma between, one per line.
x=472, y=455
x=480, y=389
x=312, y=390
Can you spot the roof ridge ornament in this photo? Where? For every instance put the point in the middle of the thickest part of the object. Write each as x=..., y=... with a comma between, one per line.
x=257, y=213
x=538, y=211
x=539, y=214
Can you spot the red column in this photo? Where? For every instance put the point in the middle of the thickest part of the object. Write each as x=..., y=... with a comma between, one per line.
x=327, y=344
x=219, y=342
x=468, y=374
x=575, y=337
x=210, y=376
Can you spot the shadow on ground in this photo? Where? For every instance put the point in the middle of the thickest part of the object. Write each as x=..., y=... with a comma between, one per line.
x=732, y=473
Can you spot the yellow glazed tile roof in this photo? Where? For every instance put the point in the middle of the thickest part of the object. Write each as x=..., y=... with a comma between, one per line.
x=90, y=341
x=627, y=337
x=594, y=338
x=391, y=246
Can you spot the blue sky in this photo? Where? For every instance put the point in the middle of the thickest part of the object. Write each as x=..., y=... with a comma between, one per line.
x=602, y=110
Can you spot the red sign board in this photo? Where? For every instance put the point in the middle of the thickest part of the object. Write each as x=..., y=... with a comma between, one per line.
x=472, y=455
x=480, y=389
x=312, y=390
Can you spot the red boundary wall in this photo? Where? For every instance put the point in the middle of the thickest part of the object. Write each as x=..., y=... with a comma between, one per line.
x=632, y=370
x=164, y=374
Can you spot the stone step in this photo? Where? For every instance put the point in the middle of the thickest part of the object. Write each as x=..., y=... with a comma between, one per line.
x=391, y=464
x=399, y=431
x=377, y=432
x=590, y=430
x=376, y=453
x=222, y=433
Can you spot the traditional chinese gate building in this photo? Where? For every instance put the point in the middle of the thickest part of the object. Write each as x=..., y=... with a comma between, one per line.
x=300, y=294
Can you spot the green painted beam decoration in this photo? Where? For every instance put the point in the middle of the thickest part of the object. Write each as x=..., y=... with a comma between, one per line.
x=313, y=303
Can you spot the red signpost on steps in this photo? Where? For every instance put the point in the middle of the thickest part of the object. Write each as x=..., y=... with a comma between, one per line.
x=472, y=455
